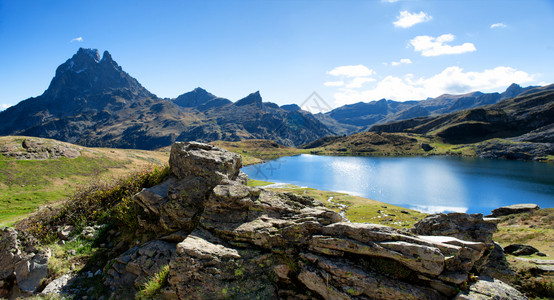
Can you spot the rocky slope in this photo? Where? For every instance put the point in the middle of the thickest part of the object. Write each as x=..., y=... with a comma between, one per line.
x=91, y=101
x=222, y=239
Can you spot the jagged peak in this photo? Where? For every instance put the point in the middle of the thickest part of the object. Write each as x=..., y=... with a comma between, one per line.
x=89, y=52
x=107, y=56
x=253, y=98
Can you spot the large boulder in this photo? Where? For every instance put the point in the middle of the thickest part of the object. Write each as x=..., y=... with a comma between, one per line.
x=514, y=209
x=470, y=227
x=177, y=203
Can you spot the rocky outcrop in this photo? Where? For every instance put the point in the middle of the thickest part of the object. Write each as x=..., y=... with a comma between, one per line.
x=490, y=289
x=514, y=209
x=22, y=265
x=463, y=226
x=38, y=149
x=223, y=239
x=506, y=149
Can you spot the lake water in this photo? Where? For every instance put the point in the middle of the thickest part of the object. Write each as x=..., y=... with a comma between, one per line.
x=427, y=184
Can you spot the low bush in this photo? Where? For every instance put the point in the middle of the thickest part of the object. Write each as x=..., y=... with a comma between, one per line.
x=97, y=202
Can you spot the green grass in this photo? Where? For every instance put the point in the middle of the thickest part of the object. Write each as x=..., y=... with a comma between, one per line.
x=258, y=151
x=28, y=184
x=99, y=202
x=254, y=183
x=153, y=285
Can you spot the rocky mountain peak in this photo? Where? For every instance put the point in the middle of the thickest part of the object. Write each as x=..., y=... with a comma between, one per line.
x=87, y=53
x=254, y=98
x=86, y=74
x=194, y=98
x=107, y=56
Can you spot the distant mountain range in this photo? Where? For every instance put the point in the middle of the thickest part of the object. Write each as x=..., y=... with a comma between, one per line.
x=528, y=117
x=91, y=101
x=361, y=116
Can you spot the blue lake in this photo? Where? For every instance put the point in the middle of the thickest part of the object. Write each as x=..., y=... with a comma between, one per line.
x=427, y=184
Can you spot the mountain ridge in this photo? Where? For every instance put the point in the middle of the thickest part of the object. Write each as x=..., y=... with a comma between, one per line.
x=91, y=101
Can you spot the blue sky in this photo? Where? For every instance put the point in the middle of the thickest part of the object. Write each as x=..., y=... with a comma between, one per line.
x=346, y=51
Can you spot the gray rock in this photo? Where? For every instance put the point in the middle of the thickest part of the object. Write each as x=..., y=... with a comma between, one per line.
x=494, y=264
x=487, y=288
x=519, y=249
x=514, y=209
x=135, y=266
x=205, y=267
x=31, y=271
x=177, y=203
x=65, y=231
x=22, y=266
x=37, y=149
x=57, y=285
x=426, y=147
x=462, y=226
x=88, y=232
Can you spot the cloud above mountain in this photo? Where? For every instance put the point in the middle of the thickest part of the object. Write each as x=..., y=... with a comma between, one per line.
x=77, y=39
x=431, y=46
x=407, y=19
x=452, y=80
x=498, y=25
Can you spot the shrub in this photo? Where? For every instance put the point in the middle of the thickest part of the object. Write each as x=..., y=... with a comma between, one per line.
x=99, y=201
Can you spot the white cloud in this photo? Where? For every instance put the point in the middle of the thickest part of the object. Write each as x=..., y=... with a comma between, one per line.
x=452, y=80
x=351, y=71
x=498, y=25
x=389, y=1
x=334, y=83
x=407, y=19
x=405, y=61
x=430, y=46
x=4, y=106
x=358, y=82
x=77, y=39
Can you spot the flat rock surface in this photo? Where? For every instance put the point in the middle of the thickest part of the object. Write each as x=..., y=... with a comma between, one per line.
x=514, y=209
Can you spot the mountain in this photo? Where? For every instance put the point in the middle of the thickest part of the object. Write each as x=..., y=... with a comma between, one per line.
x=531, y=115
x=200, y=99
x=91, y=101
x=360, y=116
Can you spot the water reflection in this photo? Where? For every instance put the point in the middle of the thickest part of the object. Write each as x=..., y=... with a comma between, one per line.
x=433, y=184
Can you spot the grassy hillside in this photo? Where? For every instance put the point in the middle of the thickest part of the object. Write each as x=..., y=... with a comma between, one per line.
x=258, y=151
x=28, y=184
x=386, y=144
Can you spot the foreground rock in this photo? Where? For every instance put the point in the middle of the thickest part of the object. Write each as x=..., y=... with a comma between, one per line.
x=463, y=226
x=488, y=288
x=22, y=265
x=514, y=209
x=223, y=239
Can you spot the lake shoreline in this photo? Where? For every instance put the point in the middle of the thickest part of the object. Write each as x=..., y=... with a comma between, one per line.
x=430, y=184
